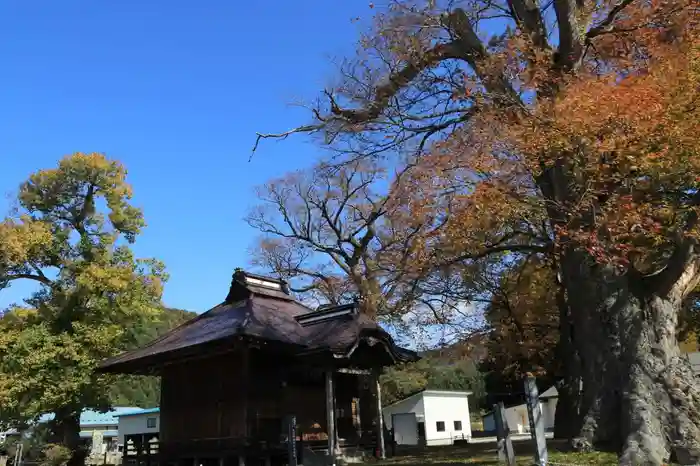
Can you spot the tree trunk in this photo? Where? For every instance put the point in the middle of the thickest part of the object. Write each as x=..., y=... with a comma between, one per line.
x=65, y=431
x=566, y=415
x=639, y=394
x=568, y=373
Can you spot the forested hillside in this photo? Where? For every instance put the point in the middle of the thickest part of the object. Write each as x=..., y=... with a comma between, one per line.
x=145, y=391
x=435, y=371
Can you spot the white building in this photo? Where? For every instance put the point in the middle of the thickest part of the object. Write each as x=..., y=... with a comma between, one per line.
x=141, y=422
x=430, y=417
x=694, y=359
x=518, y=419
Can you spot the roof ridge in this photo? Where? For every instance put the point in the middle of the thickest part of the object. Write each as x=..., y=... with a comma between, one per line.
x=266, y=316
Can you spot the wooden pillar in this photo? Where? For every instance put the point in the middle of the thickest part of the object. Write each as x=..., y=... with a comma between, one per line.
x=380, y=417
x=292, y=440
x=245, y=370
x=245, y=393
x=330, y=417
x=221, y=431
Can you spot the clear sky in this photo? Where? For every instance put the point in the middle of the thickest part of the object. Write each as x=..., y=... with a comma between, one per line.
x=175, y=90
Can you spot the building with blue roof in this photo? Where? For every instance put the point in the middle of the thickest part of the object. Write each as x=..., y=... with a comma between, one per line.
x=139, y=411
x=139, y=431
x=91, y=417
x=100, y=429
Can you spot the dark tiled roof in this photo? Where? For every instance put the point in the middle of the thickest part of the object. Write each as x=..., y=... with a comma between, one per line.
x=259, y=308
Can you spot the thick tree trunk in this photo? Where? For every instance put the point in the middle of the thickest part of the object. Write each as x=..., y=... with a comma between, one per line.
x=566, y=416
x=65, y=431
x=568, y=373
x=639, y=395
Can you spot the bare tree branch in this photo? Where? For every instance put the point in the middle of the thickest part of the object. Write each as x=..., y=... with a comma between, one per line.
x=491, y=250
x=345, y=220
x=284, y=135
x=601, y=27
x=395, y=82
x=464, y=45
x=28, y=276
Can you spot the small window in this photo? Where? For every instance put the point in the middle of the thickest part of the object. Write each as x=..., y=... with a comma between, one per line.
x=440, y=426
x=458, y=426
x=151, y=423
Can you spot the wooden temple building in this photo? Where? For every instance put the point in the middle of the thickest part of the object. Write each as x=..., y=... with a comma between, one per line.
x=241, y=379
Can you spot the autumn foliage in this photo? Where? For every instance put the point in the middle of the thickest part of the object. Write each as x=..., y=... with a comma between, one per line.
x=567, y=138
x=630, y=136
x=523, y=320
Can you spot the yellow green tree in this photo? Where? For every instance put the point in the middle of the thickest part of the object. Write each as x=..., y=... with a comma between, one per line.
x=70, y=235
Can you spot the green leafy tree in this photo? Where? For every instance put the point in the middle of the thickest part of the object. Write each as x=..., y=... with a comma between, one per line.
x=436, y=373
x=144, y=391
x=70, y=236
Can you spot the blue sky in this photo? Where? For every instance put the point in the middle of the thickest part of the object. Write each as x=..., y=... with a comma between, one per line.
x=175, y=90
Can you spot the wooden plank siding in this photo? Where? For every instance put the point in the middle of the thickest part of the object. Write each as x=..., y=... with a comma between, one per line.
x=204, y=399
x=221, y=405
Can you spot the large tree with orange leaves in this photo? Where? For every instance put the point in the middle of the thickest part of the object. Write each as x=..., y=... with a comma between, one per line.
x=567, y=129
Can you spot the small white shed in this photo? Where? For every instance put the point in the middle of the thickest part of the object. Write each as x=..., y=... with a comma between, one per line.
x=518, y=419
x=694, y=359
x=441, y=417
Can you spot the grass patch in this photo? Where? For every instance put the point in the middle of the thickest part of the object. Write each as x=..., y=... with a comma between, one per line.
x=486, y=454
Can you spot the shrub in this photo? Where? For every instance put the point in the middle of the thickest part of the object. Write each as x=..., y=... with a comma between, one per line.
x=55, y=455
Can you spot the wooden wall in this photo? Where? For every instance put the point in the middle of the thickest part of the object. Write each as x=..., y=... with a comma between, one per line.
x=246, y=395
x=205, y=398
x=278, y=390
